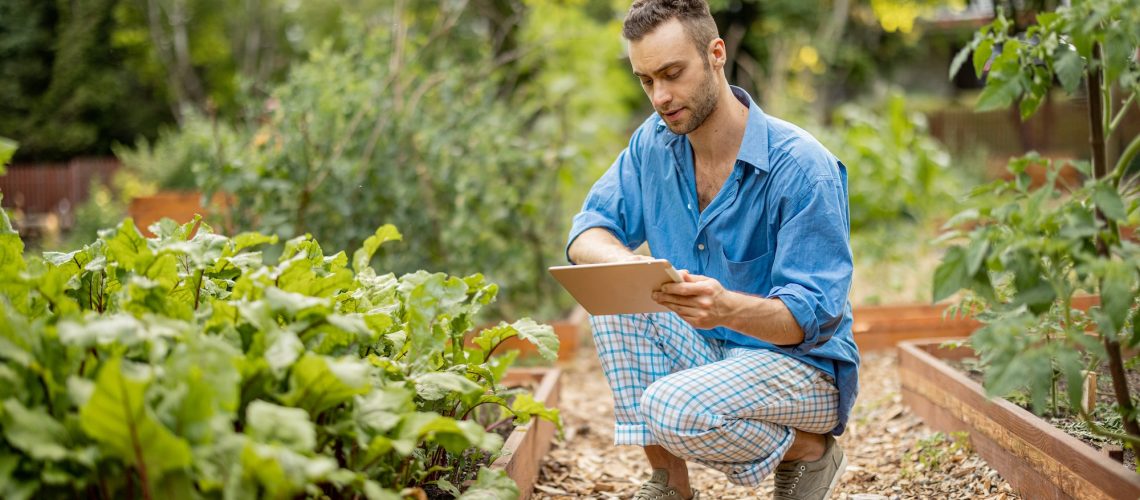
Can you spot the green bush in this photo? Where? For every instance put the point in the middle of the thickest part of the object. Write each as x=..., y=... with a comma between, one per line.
x=182, y=366
x=897, y=172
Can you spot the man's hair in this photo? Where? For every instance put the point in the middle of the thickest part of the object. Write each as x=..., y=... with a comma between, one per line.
x=646, y=15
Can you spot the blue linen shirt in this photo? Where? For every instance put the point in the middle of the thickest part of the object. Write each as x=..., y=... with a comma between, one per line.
x=778, y=228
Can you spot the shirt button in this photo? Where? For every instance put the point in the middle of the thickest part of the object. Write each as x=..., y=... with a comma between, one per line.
x=700, y=246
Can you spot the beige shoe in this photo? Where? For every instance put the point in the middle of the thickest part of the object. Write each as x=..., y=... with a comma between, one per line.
x=811, y=480
x=657, y=488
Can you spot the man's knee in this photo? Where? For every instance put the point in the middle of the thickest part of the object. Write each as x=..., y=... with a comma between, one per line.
x=672, y=410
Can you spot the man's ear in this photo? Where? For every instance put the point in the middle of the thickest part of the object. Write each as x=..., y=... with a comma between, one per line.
x=717, y=53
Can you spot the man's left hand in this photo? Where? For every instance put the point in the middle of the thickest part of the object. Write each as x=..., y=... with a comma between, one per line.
x=700, y=300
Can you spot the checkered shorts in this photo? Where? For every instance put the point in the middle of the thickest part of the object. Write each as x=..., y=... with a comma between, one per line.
x=733, y=409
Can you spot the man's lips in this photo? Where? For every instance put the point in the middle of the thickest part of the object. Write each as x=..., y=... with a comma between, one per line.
x=673, y=115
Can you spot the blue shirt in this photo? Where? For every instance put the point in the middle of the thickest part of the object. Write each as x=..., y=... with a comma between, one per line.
x=778, y=228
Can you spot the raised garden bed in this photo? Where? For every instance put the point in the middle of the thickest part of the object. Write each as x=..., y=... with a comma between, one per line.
x=1038, y=460
x=527, y=445
x=883, y=327
x=181, y=206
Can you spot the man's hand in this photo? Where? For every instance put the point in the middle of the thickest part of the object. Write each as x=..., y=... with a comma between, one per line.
x=700, y=300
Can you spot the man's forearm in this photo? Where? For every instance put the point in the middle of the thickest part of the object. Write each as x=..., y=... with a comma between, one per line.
x=766, y=319
x=597, y=245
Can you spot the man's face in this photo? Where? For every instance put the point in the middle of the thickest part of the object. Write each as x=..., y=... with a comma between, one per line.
x=676, y=76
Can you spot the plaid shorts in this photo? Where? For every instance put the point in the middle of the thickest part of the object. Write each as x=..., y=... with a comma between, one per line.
x=733, y=409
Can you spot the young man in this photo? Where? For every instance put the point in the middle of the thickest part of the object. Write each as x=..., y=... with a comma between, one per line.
x=755, y=369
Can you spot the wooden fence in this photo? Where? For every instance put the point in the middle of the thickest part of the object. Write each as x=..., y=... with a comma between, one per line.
x=54, y=188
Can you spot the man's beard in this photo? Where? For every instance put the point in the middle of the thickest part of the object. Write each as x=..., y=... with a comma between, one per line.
x=704, y=103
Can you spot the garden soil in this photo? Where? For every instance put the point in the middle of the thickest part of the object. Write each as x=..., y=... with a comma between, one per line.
x=891, y=453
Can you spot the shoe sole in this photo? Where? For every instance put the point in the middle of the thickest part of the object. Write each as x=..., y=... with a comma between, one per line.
x=838, y=474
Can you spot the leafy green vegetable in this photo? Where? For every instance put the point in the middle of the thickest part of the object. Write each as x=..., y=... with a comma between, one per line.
x=196, y=368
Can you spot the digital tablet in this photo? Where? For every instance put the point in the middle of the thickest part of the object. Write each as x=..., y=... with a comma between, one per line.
x=618, y=287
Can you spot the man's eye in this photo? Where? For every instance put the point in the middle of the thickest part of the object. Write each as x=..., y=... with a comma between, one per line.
x=673, y=76
x=647, y=82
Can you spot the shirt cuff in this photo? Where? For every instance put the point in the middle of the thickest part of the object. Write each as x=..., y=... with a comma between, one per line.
x=804, y=314
x=589, y=220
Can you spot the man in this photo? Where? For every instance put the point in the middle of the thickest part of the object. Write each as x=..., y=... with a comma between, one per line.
x=755, y=369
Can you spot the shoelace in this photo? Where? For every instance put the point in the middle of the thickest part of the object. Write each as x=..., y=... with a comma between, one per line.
x=786, y=480
x=653, y=491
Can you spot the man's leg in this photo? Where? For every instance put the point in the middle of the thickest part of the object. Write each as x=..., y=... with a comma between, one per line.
x=635, y=350
x=741, y=415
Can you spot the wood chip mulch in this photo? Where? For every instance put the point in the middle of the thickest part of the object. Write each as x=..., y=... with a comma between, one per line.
x=891, y=453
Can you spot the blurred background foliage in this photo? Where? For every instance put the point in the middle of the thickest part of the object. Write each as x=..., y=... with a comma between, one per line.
x=475, y=126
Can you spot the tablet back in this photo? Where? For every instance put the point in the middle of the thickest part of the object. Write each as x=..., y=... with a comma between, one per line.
x=616, y=288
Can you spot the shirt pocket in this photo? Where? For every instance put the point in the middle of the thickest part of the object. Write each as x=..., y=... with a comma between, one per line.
x=752, y=276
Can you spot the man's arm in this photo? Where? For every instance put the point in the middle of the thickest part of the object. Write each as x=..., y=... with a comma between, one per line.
x=597, y=245
x=704, y=303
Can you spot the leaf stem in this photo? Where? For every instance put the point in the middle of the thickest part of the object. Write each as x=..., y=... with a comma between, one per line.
x=1120, y=116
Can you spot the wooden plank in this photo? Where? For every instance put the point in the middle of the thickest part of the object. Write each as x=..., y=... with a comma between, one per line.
x=883, y=327
x=526, y=446
x=1028, y=482
x=1031, y=442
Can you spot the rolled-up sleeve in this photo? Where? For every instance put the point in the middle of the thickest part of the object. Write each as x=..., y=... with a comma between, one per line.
x=811, y=274
x=614, y=202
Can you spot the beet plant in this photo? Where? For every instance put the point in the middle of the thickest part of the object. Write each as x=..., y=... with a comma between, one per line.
x=184, y=366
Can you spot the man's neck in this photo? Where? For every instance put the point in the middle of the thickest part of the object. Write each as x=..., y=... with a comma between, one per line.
x=718, y=139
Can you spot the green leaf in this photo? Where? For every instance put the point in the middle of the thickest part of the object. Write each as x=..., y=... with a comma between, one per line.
x=246, y=240
x=999, y=93
x=1109, y=202
x=958, y=60
x=438, y=385
x=951, y=275
x=379, y=411
x=117, y=417
x=541, y=335
x=363, y=256
x=127, y=247
x=281, y=471
x=982, y=55
x=34, y=432
x=272, y=424
x=491, y=485
x=1116, y=295
x=525, y=407
x=7, y=150
x=122, y=329
x=976, y=254
x=1070, y=70
x=318, y=383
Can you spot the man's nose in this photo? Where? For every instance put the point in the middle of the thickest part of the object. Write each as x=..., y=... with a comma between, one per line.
x=661, y=96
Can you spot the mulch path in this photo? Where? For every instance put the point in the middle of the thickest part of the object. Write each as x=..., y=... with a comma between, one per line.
x=891, y=453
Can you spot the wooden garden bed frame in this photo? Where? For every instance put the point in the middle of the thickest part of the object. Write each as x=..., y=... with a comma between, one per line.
x=527, y=445
x=1038, y=460
x=878, y=328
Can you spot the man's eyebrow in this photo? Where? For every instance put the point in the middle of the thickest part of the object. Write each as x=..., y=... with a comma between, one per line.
x=662, y=68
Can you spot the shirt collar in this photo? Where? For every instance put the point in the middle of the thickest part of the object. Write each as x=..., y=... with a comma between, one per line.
x=754, y=147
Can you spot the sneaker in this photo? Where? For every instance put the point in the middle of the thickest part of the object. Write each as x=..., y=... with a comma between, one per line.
x=815, y=480
x=657, y=488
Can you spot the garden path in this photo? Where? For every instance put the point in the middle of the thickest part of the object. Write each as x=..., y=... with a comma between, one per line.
x=886, y=446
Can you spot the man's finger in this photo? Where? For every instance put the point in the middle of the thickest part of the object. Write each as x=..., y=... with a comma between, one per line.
x=667, y=298
x=687, y=289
